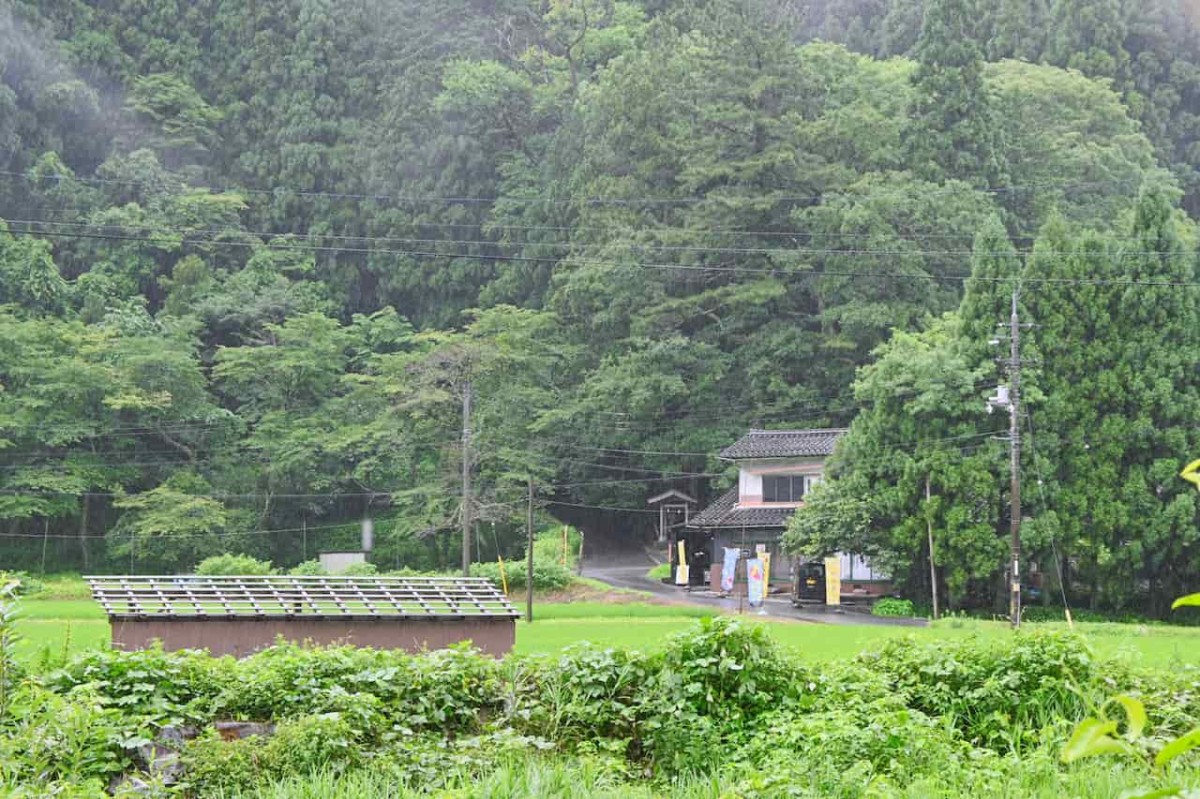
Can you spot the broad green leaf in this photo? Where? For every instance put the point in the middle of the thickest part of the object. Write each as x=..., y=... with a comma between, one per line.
x=1191, y=600
x=1093, y=737
x=1184, y=743
x=1135, y=714
x=1158, y=793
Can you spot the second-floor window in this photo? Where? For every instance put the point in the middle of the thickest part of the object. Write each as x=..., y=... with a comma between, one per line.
x=784, y=487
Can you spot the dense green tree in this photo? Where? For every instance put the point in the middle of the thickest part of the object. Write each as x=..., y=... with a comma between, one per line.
x=1115, y=425
x=955, y=134
x=917, y=462
x=254, y=251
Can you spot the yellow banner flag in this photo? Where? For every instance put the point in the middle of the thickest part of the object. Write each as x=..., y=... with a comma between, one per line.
x=833, y=581
x=681, y=568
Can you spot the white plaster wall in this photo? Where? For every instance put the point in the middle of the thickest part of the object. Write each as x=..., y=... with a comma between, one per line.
x=749, y=484
x=750, y=474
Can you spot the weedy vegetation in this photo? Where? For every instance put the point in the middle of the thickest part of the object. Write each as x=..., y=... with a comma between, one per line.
x=720, y=710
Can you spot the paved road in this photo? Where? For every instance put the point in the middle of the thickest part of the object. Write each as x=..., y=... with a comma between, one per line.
x=627, y=569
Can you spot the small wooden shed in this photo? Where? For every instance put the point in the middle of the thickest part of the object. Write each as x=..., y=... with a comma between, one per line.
x=240, y=615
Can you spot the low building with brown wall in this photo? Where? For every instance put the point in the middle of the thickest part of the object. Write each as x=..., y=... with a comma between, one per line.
x=241, y=615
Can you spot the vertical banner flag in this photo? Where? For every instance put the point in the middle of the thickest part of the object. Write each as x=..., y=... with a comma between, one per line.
x=833, y=581
x=754, y=582
x=729, y=568
x=766, y=559
x=681, y=570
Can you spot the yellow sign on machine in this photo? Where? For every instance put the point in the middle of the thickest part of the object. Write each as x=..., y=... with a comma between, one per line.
x=833, y=581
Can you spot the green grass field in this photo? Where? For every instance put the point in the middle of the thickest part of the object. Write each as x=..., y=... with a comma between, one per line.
x=58, y=627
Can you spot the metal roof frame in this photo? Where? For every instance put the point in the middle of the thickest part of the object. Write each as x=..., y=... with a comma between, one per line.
x=130, y=598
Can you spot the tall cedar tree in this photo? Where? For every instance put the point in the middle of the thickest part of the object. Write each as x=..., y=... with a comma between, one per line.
x=954, y=134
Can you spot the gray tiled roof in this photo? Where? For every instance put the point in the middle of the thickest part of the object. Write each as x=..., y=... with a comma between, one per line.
x=723, y=513
x=783, y=444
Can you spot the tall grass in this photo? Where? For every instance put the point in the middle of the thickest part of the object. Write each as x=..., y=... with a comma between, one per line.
x=556, y=778
x=544, y=778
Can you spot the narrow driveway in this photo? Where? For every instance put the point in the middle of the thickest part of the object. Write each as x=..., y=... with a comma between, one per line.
x=627, y=569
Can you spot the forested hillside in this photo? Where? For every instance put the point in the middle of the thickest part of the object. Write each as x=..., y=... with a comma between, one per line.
x=254, y=253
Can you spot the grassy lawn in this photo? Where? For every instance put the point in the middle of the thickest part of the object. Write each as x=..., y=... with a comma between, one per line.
x=56, y=626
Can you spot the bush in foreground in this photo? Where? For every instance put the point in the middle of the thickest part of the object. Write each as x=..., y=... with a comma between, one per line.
x=719, y=711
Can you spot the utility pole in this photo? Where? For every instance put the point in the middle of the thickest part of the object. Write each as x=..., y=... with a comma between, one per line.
x=1009, y=397
x=466, y=480
x=529, y=556
x=1014, y=449
x=932, y=563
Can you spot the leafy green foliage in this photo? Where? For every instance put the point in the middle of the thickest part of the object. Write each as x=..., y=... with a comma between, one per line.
x=960, y=716
x=890, y=606
x=1098, y=736
x=546, y=576
x=72, y=738
x=633, y=229
x=9, y=673
x=1000, y=696
x=150, y=686
x=233, y=565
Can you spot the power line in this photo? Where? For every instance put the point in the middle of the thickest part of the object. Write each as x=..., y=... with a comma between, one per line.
x=631, y=244
x=185, y=233
x=571, y=260
x=281, y=192
x=488, y=226
x=171, y=536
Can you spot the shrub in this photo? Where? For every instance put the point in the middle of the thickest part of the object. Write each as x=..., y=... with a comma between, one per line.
x=359, y=570
x=79, y=737
x=311, y=743
x=711, y=683
x=22, y=584
x=449, y=690
x=308, y=568
x=882, y=734
x=64, y=586
x=587, y=693
x=999, y=696
x=9, y=671
x=290, y=680
x=213, y=766
x=235, y=565
x=150, y=686
x=892, y=607
x=548, y=548
x=660, y=572
x=727, y=669
x=546, y=577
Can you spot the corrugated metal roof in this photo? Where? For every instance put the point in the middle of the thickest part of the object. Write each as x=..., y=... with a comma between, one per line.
x=783, y=444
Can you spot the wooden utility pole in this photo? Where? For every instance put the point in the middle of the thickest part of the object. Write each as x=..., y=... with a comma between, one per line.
x=466, y=480
x=932, y=566
x=1014, y=447
x=529, y=556
x=1009, y=397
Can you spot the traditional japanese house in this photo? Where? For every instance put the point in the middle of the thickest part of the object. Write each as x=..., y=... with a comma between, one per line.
x=776, y=469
